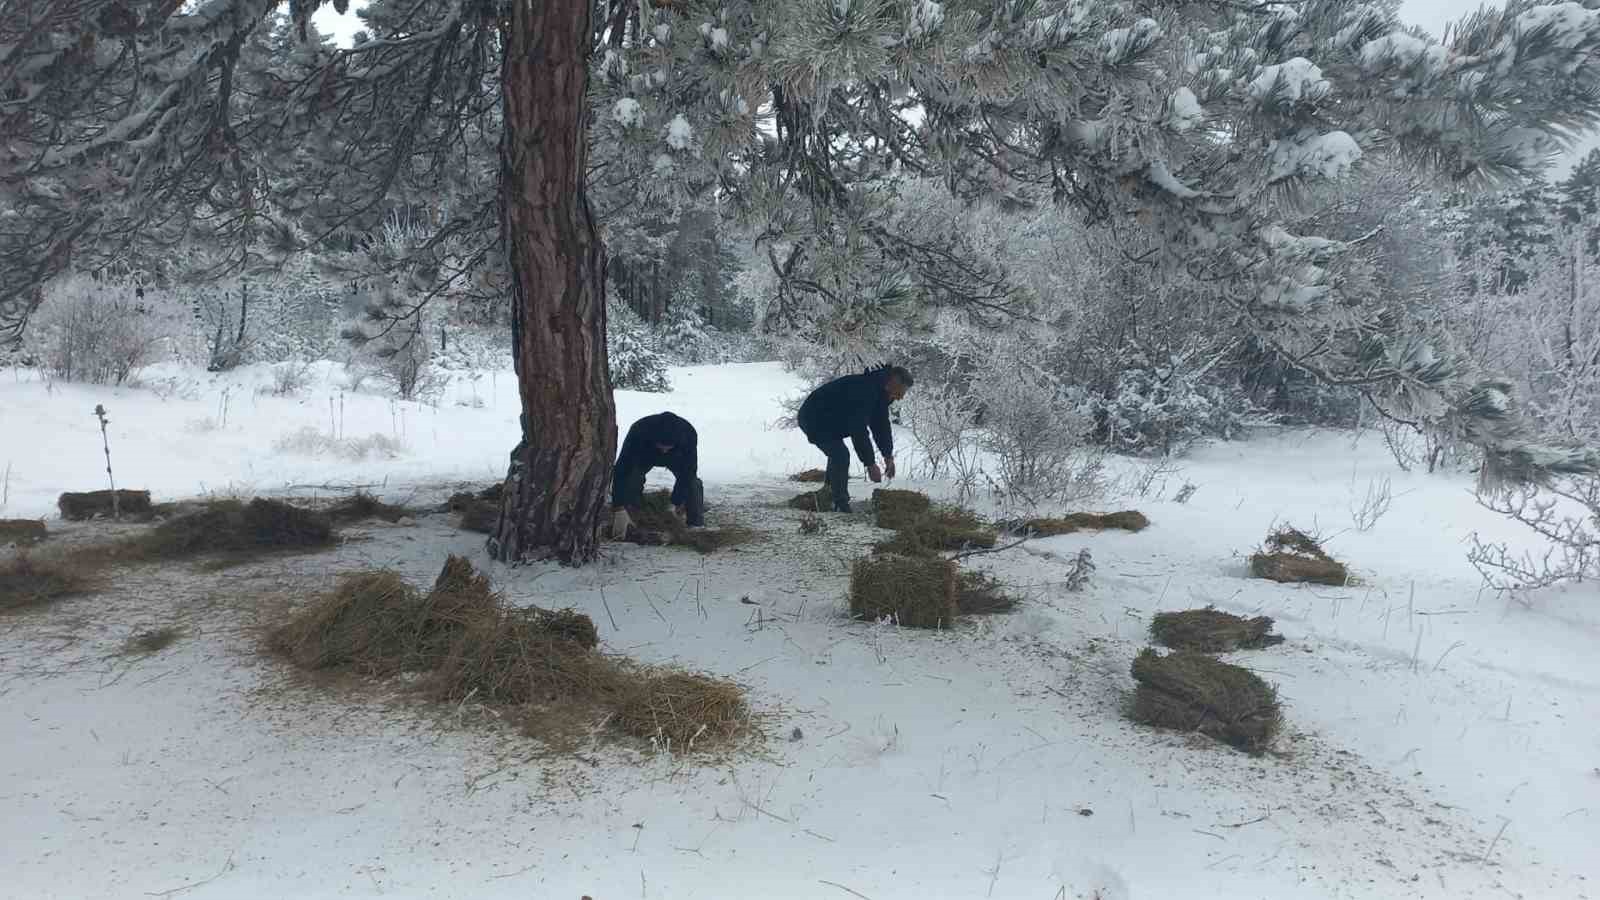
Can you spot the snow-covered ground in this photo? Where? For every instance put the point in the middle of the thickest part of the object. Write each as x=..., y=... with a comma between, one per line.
x=1439, y=741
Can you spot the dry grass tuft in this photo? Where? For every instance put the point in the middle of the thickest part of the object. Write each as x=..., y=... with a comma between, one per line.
x=1126, y=520
x=981, y=594
x=915, y=591
x=810, y=476
x=898, y=509
x=86, y=505
x=1191, y=691
x=29, y=581
x=540, y=665
x=22, y=532
x=941, y=528
x=1292, y=556
x=154, y=640
x=1212, y=631
x=361, y=506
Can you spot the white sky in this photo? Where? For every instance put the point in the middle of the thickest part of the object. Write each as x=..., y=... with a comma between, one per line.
x=1430, y=14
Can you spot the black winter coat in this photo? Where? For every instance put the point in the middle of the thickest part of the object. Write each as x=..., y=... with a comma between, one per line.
x=850, y=407
x=639, y=454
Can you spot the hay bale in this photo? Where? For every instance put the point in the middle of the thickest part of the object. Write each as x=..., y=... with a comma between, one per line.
x=481, y=516
x=819, y=500
x=240, y=529
x=361, y=506
x=682, y=710
x=27, y=581
x=1125, y=520
x=1292, y=556
x=1191, y=691
x=917, y=591
x=940, y=529
x=899, y=509
x=810, y=476
x=1212, y=631
x=981, y=594
x=22, y=532
x=77, y=506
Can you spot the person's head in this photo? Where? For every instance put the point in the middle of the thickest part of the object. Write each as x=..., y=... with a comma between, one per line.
x=896, y=381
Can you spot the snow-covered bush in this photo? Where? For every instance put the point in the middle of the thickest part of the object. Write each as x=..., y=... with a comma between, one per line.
x=1036, y=430
x=100, y=332
x=1163, y=410
x=1565, y=513
x=636, y=365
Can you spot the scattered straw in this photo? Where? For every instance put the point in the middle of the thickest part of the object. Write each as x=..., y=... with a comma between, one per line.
x=1212, y=631
x=29, y=581
x=915, y=591
x=656, y=524
x=22, y=532
x=979, y=594
x=899, y=509
x=810, y=476
x=1126, y=520
x=1191, y=691
x=1292, y=556
x=681, y=710
x=154, y=640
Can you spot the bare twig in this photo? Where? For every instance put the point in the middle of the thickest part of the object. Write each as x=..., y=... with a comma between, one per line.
x=843, y=888
x=226, y=866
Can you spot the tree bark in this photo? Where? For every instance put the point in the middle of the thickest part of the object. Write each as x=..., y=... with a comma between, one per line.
x=555, y=490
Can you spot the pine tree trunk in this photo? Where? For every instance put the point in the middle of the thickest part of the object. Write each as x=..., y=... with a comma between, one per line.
x=555, y=491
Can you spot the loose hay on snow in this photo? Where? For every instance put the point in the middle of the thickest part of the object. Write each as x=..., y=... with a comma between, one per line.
x=1126, y=520
x=916, y=591
x=153, y=640
x=819, y=500
x=22, y=532
x=979, y=594
x=810, y=476
x=361, y=506
x=655, y=524
x=467, y=644
x=1191, y=691
x=477, y=511
x=1292, y=556
x=86, y=505
x=680, y=710
x=899, y=509
x=1212, y=631
x=237, y=530
x=28, y=581
x=941, y=528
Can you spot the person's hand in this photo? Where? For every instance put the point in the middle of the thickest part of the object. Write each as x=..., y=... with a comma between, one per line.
x=888, y=467
x=620, y=523
x=874, y=473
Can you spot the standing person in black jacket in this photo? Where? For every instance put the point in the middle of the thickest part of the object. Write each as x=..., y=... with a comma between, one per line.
x=662, y=440
x=852, y=406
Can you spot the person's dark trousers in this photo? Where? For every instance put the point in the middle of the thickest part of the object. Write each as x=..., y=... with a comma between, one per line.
x=838, y=477
x=691, y=495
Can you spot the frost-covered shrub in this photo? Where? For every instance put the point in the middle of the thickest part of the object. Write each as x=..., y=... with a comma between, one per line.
x=685, y=336
x=100, y=332
x=1036, y=430
x=1163, y=410
x=636, y=365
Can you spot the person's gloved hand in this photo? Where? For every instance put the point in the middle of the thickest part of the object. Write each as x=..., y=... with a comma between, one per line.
x=874, y=473
x=620, y=523
x=888, y=467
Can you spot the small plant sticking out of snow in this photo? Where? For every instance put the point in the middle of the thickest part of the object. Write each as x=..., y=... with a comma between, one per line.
x=812, y=523
x=309, y=441
x=1082, y=570
x=1366, y=511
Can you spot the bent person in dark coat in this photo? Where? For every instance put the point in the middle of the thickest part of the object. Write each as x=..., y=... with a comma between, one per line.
x=851, y=407
x=663, y=440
